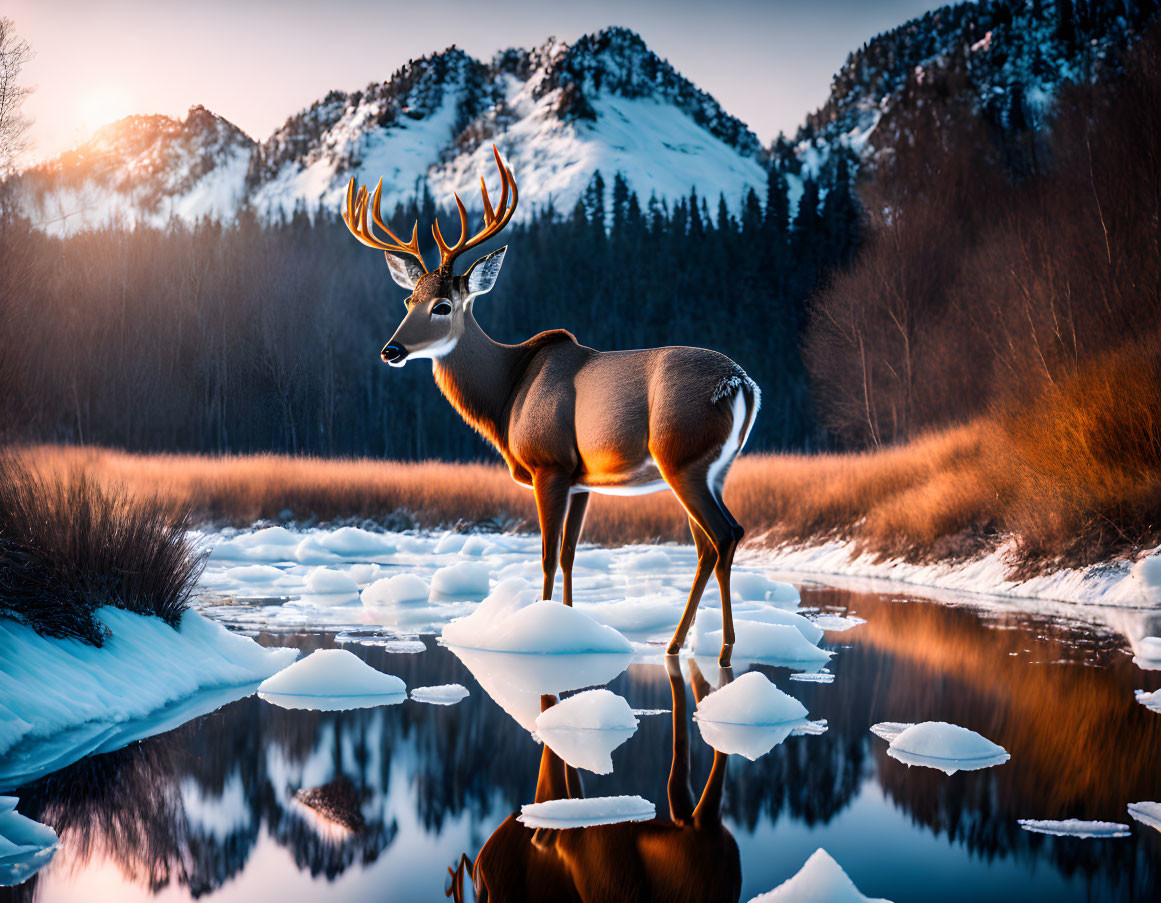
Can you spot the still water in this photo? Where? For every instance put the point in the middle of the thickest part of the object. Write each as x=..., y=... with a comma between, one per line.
x=255, y=802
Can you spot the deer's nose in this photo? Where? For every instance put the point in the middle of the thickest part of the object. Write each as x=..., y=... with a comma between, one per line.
x=393, y=353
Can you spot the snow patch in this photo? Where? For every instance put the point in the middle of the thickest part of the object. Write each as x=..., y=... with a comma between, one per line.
x=586, y=812
x=445, y=694
x=1074, y=827
x=820, y=880
x=1147, y=813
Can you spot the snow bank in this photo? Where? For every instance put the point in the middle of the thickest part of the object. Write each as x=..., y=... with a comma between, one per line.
x=467, y=578
x=1147, y=814
x=1107, y=583
x=937, y=744
x=330, y=679
x=395, y=591
x=820, y=880
x=1074, y=827
x=509, y=620
x=585, y=729
x=445, y=694
x=48, y=685
x=586, y=812
x=26, y=846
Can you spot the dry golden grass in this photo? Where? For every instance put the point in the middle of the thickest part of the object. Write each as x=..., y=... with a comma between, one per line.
x=1074, y=475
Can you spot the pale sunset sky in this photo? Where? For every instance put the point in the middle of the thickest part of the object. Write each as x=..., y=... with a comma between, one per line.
x=256, y=62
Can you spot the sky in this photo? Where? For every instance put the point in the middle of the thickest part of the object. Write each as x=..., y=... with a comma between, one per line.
x=256, y=62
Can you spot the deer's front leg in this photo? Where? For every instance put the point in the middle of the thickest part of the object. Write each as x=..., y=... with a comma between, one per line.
x=552, y=489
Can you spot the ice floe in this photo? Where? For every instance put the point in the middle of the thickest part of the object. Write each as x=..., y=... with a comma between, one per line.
x=820, y=880
x=332, y=679
x=48, y=684
x=586, y=812
x=465, y=578
x=1074, y=827
x=585, y=729
x=759, y=641
x=1150, y=700
x=836, y=623
x=750, y=587
x=748, y=716
x=445, y=694
x=26, y=846
x=1147, y=813
x=328, y=586
x=937, y=744
x=396, y=590
x=1148, y=653
x=510, y=620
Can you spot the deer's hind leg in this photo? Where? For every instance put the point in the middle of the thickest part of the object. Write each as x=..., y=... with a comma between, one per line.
x=578, y=504
x=703, y=504
x=707, y=557
x=552, y=490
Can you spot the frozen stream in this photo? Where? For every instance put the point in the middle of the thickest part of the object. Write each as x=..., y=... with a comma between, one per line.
x=258, y=801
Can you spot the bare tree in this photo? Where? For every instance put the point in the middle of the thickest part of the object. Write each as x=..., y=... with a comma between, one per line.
x=14, y=53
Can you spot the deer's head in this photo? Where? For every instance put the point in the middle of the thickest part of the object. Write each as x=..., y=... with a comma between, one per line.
x=440, y=300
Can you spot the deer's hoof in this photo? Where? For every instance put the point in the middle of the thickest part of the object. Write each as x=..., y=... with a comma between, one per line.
x=727, y=653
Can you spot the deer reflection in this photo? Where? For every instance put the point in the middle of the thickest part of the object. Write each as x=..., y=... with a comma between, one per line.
x=688, y=856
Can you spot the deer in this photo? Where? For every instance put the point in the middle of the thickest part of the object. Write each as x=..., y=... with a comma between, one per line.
x=687, y=857
x=569, y=420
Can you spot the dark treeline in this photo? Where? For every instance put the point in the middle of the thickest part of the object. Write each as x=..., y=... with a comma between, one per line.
x=251, y=337
x=998, y=264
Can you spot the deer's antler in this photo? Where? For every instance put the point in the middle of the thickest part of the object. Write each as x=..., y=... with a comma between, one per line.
x=355, y=216
x=494, y=220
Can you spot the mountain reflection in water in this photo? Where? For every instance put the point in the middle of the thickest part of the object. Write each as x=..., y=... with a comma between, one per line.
x=254, y=801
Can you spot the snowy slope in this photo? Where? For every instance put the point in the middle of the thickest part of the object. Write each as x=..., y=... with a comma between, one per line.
x=559, y=114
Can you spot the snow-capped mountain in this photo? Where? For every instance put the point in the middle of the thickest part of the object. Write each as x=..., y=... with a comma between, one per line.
x=558, y=113
x=142, y=169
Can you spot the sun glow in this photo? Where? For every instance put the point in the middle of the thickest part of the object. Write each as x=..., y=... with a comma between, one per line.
x=103, y=104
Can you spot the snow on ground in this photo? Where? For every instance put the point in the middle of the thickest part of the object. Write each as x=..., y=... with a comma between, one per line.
x=445, y=694
x=586, y=812
x=330, y=680
x=26, y=846
x=1118, y=583
x=820, y=880
x=48, y=685
x=1147, y=813
x=585, y=729
x=1074, y=827
x=937, y=744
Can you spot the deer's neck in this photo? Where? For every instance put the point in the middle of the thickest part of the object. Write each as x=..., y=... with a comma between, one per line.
x=479, y=376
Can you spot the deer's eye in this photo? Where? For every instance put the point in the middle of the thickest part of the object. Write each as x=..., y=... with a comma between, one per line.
x=441, y=309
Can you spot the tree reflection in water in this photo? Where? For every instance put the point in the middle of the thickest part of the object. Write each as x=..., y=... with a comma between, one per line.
x=189, y=808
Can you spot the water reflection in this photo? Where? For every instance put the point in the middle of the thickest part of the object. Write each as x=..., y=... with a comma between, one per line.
x=254, y=796
x=688, y=856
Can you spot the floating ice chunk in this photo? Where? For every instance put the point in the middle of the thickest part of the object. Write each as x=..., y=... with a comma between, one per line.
x=836, y=623
x=327, y=586
x=638, y=562
x=445, y=694
x=636, y=615
x=937, y=744
x=751, y=699
x=364, y=574
x=1147, y=814
x=395, y=591
x=710, y=617
x=585, y=729
x=269, y=544
x=820, y=880
x=331, y=679
x=756, y=641
x=750, y=587
x=1074, y=827
x=1148, y=655
x=355, y=542
x=467, y=578
x=475, y=546
x=450, y=542
x=509, y=620
x=750, y=740
x=1151, y=701
x=586, y=812
x=26, y=846
x=889, y=730
x=312, y=551
x=813, y=677
x=1147, y=573
x=255, y=573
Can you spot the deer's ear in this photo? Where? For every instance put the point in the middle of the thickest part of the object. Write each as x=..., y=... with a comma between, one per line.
x=482, y=274
x=404, y=270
